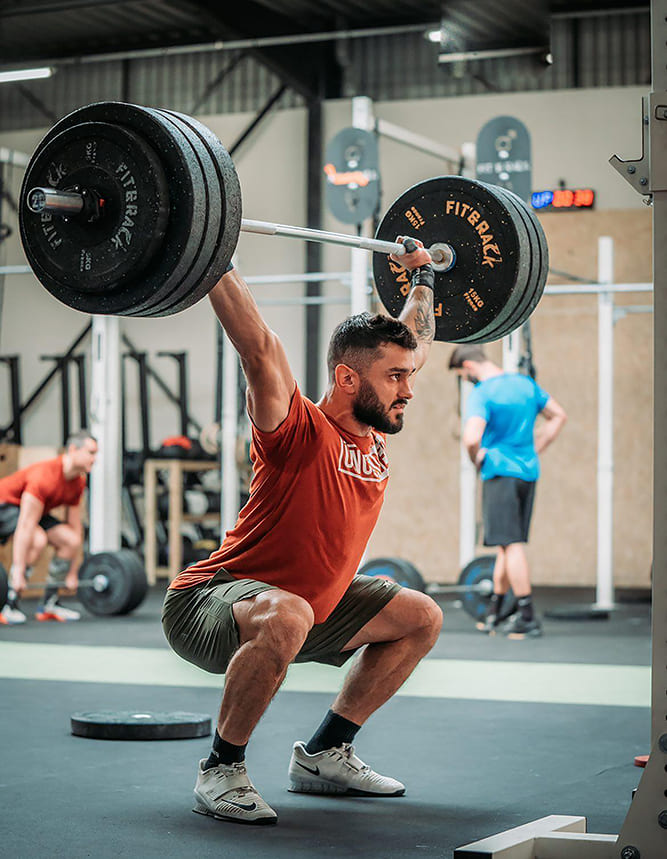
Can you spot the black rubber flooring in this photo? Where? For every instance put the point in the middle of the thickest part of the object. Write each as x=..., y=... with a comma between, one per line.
x=472, y=768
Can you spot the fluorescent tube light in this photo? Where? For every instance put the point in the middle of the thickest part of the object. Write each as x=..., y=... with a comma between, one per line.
x=25, y=74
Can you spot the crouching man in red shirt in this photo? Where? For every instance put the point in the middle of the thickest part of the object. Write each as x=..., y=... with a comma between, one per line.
x=26, y=499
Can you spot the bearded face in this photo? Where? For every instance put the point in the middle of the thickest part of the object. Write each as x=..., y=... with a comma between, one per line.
x=368, y=409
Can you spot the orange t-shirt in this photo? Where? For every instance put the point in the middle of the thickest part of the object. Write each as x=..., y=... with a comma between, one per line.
x=46, y=481
x=315, y=496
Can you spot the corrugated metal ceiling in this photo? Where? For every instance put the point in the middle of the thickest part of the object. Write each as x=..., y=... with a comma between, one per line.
x=37, y=30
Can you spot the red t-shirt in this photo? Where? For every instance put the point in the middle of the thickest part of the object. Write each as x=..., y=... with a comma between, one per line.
x=315, y=496
x=46, y=481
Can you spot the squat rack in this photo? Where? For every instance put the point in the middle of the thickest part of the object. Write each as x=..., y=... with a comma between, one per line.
x=644, y=831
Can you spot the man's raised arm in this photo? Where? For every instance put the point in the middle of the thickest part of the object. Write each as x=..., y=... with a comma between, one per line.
x=417, y=311
x=270, y=380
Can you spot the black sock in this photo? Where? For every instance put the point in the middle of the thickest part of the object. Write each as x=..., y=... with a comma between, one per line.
x=493, y=609
x=12, y=598
x=50, y=591
x=526, y=607
x=224, y=753
x=334, y=731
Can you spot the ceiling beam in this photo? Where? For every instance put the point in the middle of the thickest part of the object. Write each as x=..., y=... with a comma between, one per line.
x=18, y=9
x=310, y=70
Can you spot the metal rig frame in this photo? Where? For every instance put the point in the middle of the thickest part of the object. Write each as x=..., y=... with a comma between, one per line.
x=644, y=832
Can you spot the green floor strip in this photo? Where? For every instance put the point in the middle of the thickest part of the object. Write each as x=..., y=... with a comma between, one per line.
x=539, y=682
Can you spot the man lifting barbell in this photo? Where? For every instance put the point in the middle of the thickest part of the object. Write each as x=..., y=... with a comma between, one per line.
x=282, y=587
x=146, y=226
x=26, y=499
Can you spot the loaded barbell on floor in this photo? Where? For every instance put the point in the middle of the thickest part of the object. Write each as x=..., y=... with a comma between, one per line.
x=475, y=583
x=135, y=211
x=110, y=583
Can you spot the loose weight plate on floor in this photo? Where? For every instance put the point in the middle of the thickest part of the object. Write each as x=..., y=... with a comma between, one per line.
x=140, y=725
x=395, y=570
x=480, y=571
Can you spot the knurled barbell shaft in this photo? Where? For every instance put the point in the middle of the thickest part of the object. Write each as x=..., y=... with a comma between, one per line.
x=483, y=588
x=71, y=203
x=82, y=583
x=479, y=588
x=363, y=242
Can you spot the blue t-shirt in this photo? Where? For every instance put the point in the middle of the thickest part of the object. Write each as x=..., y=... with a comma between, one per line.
x=509, y=404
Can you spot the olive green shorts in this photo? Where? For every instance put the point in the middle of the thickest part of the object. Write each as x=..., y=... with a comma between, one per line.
x=199, y=624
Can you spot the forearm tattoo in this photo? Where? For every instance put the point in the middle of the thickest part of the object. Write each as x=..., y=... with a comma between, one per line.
x=424, y=318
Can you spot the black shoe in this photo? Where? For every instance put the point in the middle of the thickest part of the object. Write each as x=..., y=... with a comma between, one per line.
x=517, y=627
x=489, y=625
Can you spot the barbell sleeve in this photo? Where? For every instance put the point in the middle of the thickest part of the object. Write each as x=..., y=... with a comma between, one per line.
x=58, y=202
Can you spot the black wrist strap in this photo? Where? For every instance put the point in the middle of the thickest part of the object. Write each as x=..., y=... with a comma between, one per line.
x=424, y=276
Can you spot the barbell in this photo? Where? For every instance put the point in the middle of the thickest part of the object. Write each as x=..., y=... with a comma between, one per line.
x=110, y=583
x=474, y=586
x=135, y=211
x=71, y=203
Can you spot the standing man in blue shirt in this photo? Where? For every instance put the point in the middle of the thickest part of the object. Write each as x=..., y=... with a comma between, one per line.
x=500, y=437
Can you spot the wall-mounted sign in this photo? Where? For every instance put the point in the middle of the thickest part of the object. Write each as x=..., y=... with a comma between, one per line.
x=503, y=155
x=563, y=199
x=352, y=175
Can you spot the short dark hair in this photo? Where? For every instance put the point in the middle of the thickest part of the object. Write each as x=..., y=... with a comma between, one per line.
x=356, y=341
x=466, y=352
x=78, y=439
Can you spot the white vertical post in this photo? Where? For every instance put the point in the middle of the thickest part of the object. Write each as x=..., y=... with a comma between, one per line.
x=467, y=491
x=512, y=351
x=605, y=529
x=362, y=117
x=105, y=425
x=467, y=471
x=229, y=430
x=469, y=153
x=359, y=294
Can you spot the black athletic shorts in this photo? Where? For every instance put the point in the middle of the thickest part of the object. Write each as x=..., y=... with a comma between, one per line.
x=9, y=516
x=507, y=505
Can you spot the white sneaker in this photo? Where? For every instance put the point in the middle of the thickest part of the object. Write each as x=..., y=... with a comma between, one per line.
x=226, y=793
x=10, y=616
x=52, y=610
x=337, y=770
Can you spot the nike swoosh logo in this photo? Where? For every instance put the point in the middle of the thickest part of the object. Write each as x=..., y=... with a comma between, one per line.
x=251, y=807
x=315, y=771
